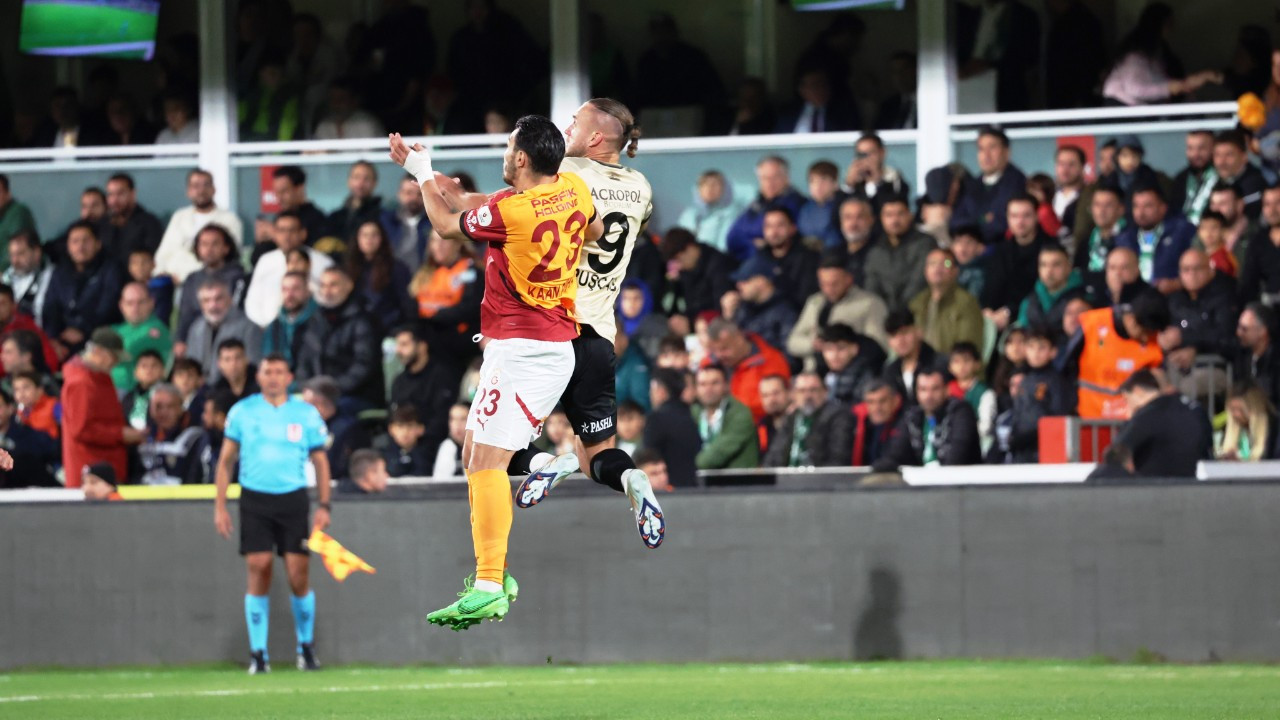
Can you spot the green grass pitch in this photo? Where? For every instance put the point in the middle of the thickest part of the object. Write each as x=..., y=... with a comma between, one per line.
x=949, y=690
x=52, y=25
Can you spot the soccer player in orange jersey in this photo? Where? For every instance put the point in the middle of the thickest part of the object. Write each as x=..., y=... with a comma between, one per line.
x=535, y=231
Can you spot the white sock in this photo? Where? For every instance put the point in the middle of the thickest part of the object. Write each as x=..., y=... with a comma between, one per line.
x=540, y=461
x=488, y=585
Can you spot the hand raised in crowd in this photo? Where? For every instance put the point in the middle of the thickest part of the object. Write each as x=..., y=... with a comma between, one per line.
x=131, y=435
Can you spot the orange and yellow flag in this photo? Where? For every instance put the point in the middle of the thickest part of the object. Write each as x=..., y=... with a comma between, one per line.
x=339, y=561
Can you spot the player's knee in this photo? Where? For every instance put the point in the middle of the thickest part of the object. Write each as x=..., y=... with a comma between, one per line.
x=259, y=563
x=608, y=465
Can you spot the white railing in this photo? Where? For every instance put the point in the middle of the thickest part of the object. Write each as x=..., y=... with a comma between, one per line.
x=1132, y=113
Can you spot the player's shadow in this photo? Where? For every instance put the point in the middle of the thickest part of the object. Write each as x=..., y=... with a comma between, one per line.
x=876, y=636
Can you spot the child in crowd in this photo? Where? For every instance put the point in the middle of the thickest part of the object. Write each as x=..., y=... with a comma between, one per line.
x=1041, y=392
x=1042, y=188
x=965, y=365
x=448, y=462
x=1013, y=353
x=630, y=427
x=36, y=410
x=188, y=377
x=652, y=464
x=404, y=456
x=557, y=434
x=713, y=210
x=298, y=261
x=817, y=216
x=147, y=371
x=142, y=263
x=1210, y=234
x=673, y=353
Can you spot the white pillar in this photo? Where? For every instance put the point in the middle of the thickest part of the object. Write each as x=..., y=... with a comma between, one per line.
x=570, y=85
x=761, y=44
x=217, y=98
x=935, y=88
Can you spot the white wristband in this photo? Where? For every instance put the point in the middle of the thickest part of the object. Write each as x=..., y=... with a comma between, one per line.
x=418, y=164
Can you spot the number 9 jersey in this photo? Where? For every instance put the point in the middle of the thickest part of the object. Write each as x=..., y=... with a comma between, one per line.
x=534, y=240
x=625, y=201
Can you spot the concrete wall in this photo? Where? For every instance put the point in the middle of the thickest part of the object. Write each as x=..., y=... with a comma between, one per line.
x=1189, y=572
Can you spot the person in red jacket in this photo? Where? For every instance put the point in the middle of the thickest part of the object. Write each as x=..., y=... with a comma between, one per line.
x=11, y=319
x=749, y=358
x=93, y=423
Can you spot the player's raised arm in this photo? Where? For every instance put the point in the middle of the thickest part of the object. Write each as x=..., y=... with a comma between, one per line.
x=417, y=162
x=460, y=200
x=595, y=230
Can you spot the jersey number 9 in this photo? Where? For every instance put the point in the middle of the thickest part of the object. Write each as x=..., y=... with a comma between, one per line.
x=610, y=242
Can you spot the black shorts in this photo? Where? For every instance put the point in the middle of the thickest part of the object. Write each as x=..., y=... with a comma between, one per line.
x=590, y=401
x=274, y=522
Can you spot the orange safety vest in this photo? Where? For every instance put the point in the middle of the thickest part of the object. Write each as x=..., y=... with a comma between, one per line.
x=1106, y=361
x=445, y=287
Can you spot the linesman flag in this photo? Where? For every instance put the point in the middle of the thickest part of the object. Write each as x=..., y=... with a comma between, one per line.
x=339, y=561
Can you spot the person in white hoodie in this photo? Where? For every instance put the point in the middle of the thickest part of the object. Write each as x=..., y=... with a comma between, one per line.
x=713, y=210
x=176, y=255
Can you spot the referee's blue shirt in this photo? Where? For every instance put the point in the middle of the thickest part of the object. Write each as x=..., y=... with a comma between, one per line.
x=275, y=442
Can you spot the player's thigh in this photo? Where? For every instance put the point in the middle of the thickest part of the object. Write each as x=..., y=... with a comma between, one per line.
x=590, y=401
x=257, y=523
x=521, y=382
x=293, y=524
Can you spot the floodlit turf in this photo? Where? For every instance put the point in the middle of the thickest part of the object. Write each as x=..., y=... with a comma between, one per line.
x=51, y=25
x=949, y=690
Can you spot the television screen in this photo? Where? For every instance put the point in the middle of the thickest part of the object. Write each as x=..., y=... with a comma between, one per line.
x=92, y=28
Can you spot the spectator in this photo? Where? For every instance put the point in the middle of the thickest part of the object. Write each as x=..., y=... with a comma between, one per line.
x=775, y=397
x=469, y=57
x=855, y=238
x=1237, y=228
x=237, y=378
x=124, y=125
x=345, y=118
x=141, y=330
x=946, y=313
x=213, y=424
x=971, y=258
x=838, y=301
x=1192, y=185
x=34, y=453
x=36, y=409
x=746, y=235
x=429, y=382
x=1257, y=359
x=637, y=319
x=1158, y=239
x=817, y=433
x=672, y=353
x=676, y=73
x=448, y=462
x=1231, y=163
x=100, y=483
x=345, y=430
x=1058, y=284
x=350, y=347
x=1146, y=71
x=1260, y=271
x=28, y=274
x=1010, y=363
x=1007, y=40
x=219, y=261
x=1210, y=238
x=148, y=371
x=631, y=422
x=913, y=355
x=965, y=367
x=220, y=320
x=1095, y=239
x=899, y=111
x=382, y=281
x=1122, y=281
x=63, y=127
x=406, y=226
x=819, y=109
x=797, y=264
x=895, y=264
x=982, y=201
x=14, y=218
x=448, y=288
x=1041, y=392
x=1252, y=426
x=1168, y=434
x=713, y=211
x=725, y=425
x=128, y=225
x=869, y=178
x=876, y=421
x=93, y=423
x=13, y=320
x=1203, y=310
x=1074, y=59
x=1131, y=173
x=83, y=291
x=405, y=452
x=704, y=275
x=1041, y=187
x=262, y=299
x=271, y=109
x=289, y=183
x=942, y=188
x=748, y=358
x=140, y=268
x=1113, y=343
x=557, y=434
x=754, y=114
x=1012, y=272
x=1068, y=171
x=360, y=206
x=286, y=334
x=93, y=208
x=652, y=465
x=181, y=126
x=851, y=361
x=179, y=252
x=670, y=430
x=367, y=474
x=168, y=452
x=188, y=376
x=21, y=351
x=817, y=215
x=938, y=430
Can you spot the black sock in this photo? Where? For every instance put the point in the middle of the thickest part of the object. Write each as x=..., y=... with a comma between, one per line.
x=519, y=464
x=608, y=465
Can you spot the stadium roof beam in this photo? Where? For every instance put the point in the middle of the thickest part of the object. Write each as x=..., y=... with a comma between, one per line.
x=570, y=85
x=218, y=128
x=935, y=87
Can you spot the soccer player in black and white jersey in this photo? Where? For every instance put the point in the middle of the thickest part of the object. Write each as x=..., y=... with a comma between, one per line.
x=602, y=129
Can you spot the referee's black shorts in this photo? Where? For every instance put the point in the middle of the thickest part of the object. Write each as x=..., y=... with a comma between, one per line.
x=274, y=522
x=590, y=400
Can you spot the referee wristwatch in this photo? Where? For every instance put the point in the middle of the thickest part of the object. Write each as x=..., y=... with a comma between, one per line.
x=327, y=507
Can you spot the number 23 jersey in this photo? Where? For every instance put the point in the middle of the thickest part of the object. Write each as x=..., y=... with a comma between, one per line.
x=534, y=241
x=625, y=201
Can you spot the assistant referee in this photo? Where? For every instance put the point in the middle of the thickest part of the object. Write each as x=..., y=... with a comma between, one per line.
x=273, y=437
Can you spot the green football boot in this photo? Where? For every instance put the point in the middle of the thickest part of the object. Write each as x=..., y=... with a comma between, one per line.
x=472, y=607
x=510, y=586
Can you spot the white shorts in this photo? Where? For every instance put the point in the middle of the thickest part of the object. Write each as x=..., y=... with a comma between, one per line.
x=520, y=383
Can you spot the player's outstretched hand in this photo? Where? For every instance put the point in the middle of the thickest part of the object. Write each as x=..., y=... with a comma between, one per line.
x=6, y=460
x=222, y=521
x=415, y=160
x=321, y=520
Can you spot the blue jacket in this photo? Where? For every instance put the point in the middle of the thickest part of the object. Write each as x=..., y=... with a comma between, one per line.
x=1175, y=236
x=391, y=224
x=750, y=224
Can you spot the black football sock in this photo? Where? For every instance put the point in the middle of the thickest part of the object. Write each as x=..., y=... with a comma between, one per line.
x=519, y=464
x=608, y=465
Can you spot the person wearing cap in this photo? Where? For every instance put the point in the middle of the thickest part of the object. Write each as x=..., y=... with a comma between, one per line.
x=763, y=310
x=99, y=482
x=93, y=424
x=1130, y=172
x=1159, y=239
x=983, y=200
x=838, y=300
x=83, y=291
x=945, y=312
x=703, y=279
x=942, y=188
x=1115, y=342
x=429, y=381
